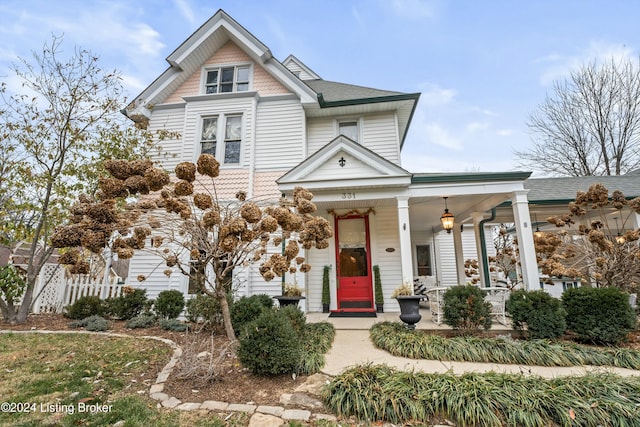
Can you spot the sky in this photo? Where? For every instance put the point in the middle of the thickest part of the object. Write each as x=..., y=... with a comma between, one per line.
x=482, y=67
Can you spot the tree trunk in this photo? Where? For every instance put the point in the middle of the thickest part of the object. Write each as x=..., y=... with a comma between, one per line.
x=25, y=305
x=226, y=317
x=8, y=312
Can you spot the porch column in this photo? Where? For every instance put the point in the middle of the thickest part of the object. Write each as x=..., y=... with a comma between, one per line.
x=477, y=223
x=635, y=220
x=459, y=253
x=528, y=263
x=404, y=231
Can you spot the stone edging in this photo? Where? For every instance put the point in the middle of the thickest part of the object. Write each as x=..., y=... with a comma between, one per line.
x=156, y=391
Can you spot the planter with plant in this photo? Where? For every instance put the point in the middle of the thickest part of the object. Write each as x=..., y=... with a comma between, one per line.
x=379, y=297
x=291, y=296
x=409, y=305
x=326, y=295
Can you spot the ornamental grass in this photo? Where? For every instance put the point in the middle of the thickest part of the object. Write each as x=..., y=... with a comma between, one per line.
x=374, y=393
x=399, y=341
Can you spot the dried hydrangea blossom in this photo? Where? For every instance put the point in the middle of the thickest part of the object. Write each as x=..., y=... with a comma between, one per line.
x=229, y=243
x=124, y=253
x=171, y=260
x=250, y=212
x=137, y=184
x=241, y=195
x=118, y=168
x=156, y=178
x=202, y=201
x=140, y=166
x=208, y=165
x=70, y=257
x=183, y=188
x=211, y=218
x=141, y=277
x=112, y=188
x=81, y=267
x=291, y=250
x=269, y=224
x=304, y=267
x=237, y=225
x=186, y=171
x=168, y=272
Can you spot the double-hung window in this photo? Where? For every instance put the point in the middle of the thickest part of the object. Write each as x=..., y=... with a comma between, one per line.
x=227, y=79
x=229, y=148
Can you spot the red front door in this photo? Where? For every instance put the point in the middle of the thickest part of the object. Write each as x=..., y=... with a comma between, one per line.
x=355, y=290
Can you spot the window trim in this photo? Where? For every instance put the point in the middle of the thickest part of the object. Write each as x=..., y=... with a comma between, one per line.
x=221, y=140
x=208, y=68
x=346, y=120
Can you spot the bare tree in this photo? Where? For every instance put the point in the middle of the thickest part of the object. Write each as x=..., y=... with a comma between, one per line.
x=590, y=125
x=54, y=136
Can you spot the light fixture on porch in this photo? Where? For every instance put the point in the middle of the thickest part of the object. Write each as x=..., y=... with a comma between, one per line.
x=536, y=233
x=619, y=237
x=447, y=218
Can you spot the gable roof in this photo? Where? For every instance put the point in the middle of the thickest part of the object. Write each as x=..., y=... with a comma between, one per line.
x=364, y=168
x=199, y=47
x=299, y=68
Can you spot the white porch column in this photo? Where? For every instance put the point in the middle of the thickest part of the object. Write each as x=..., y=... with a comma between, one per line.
x=457, y=247
x=404, y=231
x=635, y=220
x=477, y=223
x=528, y=263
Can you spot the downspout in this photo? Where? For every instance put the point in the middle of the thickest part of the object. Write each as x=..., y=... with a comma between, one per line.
x=483, y=248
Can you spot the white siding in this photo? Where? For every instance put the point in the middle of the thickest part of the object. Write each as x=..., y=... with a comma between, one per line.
x=279, y=134
x=171, y=120
x=320, y=131
x=380, y=136
x=446, y=258
x=318, y=258
x=384, y=234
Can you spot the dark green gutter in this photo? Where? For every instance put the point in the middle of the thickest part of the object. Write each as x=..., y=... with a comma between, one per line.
x=483, y=248
x=469, y=177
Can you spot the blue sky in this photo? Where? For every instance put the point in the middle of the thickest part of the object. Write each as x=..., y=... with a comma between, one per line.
x=482, y=66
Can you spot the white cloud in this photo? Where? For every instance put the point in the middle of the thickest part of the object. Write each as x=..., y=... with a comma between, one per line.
x=504, y=132
x=434, y=95
x=436, y=134
x=560, y=67
x=476, y=127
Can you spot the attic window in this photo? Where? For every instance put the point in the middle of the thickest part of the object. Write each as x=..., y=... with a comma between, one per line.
x=227, y=79
x=349, y=129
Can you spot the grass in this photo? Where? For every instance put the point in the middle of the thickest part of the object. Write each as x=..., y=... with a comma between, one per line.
x=399, y=341
x=64, y=371
x=380, y=393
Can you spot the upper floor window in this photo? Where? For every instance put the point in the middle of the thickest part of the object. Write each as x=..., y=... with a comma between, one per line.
x=230, y=127
x=227, y=79
x=349, y=129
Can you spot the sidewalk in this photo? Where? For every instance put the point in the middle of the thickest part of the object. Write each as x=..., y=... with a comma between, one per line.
x=352, y=346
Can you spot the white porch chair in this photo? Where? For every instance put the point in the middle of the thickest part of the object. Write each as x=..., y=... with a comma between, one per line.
x=436, y=303
x=497, y=297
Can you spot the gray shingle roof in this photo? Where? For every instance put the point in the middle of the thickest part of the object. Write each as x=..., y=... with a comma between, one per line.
x=334, y=91
x=565, y=188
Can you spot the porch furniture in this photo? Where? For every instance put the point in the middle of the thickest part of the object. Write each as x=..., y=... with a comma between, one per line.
x=497, y=297
x=436, y=303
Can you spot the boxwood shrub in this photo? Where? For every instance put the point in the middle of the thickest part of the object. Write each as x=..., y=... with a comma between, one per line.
x=536, y=313
x=465, y=308
x=85, y=307
x=169, y=304
x=129, y=305
x=270, y=345
x=599, y=315
x=248, y=309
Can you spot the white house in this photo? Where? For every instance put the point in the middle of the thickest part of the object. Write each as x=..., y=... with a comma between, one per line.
x=276, y=125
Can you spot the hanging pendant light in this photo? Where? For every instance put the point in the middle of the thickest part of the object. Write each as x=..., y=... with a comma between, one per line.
x=537, y=233
x=447, y=218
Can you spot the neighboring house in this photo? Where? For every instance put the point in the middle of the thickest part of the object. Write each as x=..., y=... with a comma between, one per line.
x=276, y=125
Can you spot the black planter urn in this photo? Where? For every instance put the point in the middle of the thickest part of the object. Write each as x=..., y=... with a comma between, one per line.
x=410, y=309
x=286, y=300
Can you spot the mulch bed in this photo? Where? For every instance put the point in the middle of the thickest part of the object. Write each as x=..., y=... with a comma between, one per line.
x=233, y=384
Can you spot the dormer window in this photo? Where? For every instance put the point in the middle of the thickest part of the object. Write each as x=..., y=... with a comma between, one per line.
x=227, y=79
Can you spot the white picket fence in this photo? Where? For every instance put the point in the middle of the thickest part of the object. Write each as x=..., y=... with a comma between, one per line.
x=57, y=291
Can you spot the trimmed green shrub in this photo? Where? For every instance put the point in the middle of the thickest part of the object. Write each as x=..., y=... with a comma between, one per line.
x=142, y=321
x=203, y=308
x=270, y=346
x=538, y=312
x=93, y=323
x=296, y=317
x=172, y=325
x=12, y=283
x=169, y=304
x=599, y=315
x=465, y=309
x=84, y=307
x=379, y=297
x=248, y=309
x=129, y=305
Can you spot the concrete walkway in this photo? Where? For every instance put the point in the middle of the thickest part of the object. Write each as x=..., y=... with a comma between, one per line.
x=352, y=346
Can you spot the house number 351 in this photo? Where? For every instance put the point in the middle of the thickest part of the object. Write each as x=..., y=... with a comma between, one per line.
x=348, y=195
